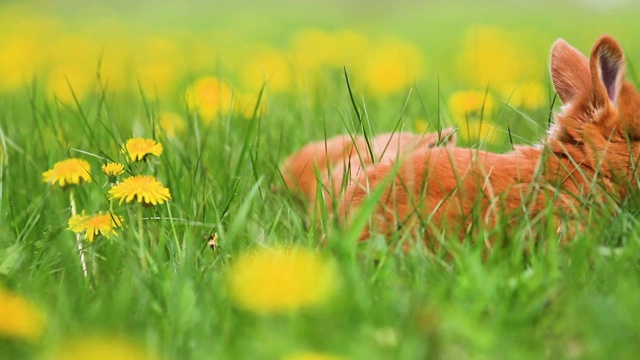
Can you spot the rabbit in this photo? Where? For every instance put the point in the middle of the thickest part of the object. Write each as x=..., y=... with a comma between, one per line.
x=595, y=139
x=344, y=155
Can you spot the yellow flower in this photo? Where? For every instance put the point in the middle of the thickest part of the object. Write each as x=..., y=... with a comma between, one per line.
x=471, y=111
x=68, y=172
x=270, y=68
x=145, y=188
x=102, y=348
x=210, y=97
x=275, y=280
x=245, y=104
x=528, y=95
x=313, y=49
x=470, y=104
x=492, y=56
x=392, y=67
x=21, y=319
x=475, y=131
x=113, y=169
x=95, y=225
x=19, y=57
x=137, y=149
x=310, y=355
x=73, y=66
x=158, y=66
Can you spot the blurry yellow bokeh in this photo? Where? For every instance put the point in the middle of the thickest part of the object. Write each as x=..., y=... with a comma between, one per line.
x=276, y=280
x=97, y=347
x=210, y=98
x=20, y=318
x=472, y=112
x=492, y=57
x=392, y=67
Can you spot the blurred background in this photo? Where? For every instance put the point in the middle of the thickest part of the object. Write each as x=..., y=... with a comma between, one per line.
x=214, y=57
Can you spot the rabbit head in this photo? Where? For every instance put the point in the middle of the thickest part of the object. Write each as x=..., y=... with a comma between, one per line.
x=599, y=125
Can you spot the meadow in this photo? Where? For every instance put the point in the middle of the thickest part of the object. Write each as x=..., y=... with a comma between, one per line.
x=143, y=214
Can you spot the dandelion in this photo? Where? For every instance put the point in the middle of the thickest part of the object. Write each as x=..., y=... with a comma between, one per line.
x=68, y=172
x=470, y=104
x=471, y=110
x=20, y=54
x=528, y=95
x=392, y=68
x=313, y=49
x=72, y=73
x=113, y=170
x=276, y=280
x=92, y=226
x=210, y=97
x=102, y=348
x=310, y=355
x=269, y=67
x=137, y=149
x=158, y=65
x=146, y=189
x=492, y=56
x=21, y=319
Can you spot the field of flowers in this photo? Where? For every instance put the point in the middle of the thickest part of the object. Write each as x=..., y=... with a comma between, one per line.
x=143, y=216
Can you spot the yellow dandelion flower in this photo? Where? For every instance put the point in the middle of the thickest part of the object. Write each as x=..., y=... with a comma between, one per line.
x=474, y=131
x=310, y=355
x=21, y=319
x=73, y=66
x=68, y=172
x=145, y=188
x=313, y=49
x=210, y=97
x=471, y=111
x=19, y=56
x=246, y=105
x=95, y=225
x=137, y=149
x=528, y=95
x=113, y=169
x=158, y=65
x=267, y=67
x=392, y=67
x=470, y=104
x=102, y=348
x=493, y=56
x=275, y=280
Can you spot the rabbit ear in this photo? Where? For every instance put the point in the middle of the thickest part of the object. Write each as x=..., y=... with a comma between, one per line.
x=569, y=71
x=607, y=70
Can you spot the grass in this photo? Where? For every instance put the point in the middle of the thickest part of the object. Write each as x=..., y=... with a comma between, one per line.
x=579, y=300
x=528, y=298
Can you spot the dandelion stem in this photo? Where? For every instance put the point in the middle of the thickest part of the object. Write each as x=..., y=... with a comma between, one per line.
x=143, y=259
x=74, y=212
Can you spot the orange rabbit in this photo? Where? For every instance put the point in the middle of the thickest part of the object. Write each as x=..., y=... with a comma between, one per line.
x=342, y=155
x=595, y=140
